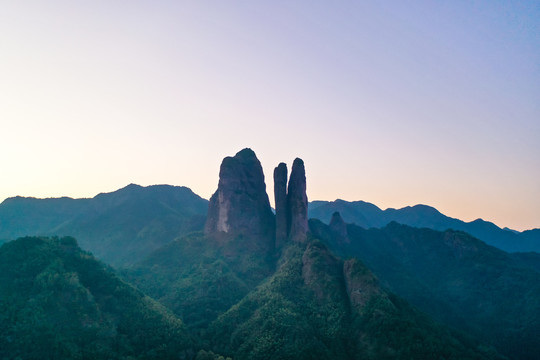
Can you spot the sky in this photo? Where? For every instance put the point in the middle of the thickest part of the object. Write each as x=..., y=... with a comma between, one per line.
x=396, y=103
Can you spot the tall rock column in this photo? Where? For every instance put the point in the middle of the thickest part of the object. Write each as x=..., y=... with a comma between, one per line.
x=297, y=203
x=240, y=206
x=280, y=196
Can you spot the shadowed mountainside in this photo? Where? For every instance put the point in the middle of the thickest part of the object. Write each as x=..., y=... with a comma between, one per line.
x=454, y=277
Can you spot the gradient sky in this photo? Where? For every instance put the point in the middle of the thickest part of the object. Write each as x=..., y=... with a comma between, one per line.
x=396, y=103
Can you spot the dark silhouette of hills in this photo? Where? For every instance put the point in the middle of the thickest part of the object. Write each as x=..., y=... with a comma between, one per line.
x=120, y=228
x=368, y=215
x=454, y=277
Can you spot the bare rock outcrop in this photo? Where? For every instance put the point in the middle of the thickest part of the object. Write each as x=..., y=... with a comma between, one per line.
x=297, y=203
x=361, y=285
x=280, y=196
x=240, y=206
x=339, y=228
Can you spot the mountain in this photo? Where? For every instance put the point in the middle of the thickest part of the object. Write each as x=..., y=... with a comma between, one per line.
x=58, y=302
x=240, y=207
x=313, y=306
x=368, y=215
x=455, y=278
x=120, y=228
x=201, y=275
x=251, y=291
x=251, y=284
x=316, y=306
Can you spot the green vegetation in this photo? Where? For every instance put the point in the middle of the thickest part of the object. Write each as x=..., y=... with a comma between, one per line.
x=199, y=278
x=239, y=307
x=303, y=312
x=60, y=303
x=457, y=279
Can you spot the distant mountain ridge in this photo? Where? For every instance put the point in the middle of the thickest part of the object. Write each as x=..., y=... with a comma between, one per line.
x=368, y=215
x=123, y=226
x=120, y=227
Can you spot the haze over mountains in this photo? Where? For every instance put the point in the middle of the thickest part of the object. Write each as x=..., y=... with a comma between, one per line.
x=368, y=215
x=139, y=219
x=228, y=276
x=120, y=228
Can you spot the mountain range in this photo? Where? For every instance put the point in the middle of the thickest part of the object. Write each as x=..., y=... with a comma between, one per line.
x=119, y=228
x=368, y=215
x=123, y=226
x=195, y=279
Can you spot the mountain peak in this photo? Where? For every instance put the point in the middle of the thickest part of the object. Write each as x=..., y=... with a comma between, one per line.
x=246, y=153
x=240, y=206
x=280, y=197
x=297, y=203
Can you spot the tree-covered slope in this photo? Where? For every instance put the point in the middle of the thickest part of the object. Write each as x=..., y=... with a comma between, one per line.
x=120, y=228
x=454, y=277
x=200, y=278
x=58, y=302
x=225, y=285
x=316, y=306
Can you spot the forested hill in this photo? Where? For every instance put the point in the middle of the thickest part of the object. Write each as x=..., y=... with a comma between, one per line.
x=58, y=302
x=454, y=277
x=120, y=228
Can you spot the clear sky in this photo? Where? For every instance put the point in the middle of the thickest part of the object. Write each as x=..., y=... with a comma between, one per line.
x=392, y=102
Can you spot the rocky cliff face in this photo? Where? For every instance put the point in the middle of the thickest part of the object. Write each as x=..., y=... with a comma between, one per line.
x=297, y=203
x=280, y=195
x=240, y=206
x=361, y=285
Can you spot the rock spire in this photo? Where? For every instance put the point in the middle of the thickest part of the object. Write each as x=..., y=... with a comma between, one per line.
x=240, y=206
x=280, y=196
x=239, y=210
x=291, y=203
x=297, y=203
